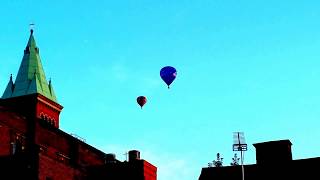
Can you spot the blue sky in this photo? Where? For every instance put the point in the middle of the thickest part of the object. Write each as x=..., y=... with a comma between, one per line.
x=250, y=66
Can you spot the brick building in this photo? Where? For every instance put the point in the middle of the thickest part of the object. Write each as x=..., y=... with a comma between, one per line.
x=33, y=147
x=273, y=161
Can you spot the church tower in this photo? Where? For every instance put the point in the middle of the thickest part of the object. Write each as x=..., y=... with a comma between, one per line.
x=31, y=94
x=33, y=147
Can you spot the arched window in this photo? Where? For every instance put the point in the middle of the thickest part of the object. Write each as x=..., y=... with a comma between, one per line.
x=17, y=144
x=42, y=115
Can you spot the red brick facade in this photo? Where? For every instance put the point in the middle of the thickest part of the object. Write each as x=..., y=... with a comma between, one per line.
x=55, y=155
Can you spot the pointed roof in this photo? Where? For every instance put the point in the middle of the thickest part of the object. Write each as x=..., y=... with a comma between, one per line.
x=31, y=78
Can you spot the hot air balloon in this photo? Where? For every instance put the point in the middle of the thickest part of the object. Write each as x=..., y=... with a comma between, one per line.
x=141, y=100
x=168, y=74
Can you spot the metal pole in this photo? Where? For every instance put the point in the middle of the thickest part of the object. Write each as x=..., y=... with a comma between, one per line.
x=242, y=167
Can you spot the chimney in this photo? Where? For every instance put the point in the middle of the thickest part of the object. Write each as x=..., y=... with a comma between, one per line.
x=110, y=158
x=134, y=155
x=273, y=152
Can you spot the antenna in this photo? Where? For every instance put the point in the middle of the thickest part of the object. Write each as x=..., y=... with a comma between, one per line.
x=126, y=154
x=239, y=144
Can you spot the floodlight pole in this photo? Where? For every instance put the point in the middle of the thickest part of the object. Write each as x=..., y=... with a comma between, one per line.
x=242, y=156
x=242, y=167
x=240, y=145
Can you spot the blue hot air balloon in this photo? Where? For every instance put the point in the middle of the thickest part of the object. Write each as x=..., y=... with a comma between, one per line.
x=168, y=74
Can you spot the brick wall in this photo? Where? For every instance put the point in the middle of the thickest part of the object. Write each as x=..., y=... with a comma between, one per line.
x=11, y=125
x=57, y=170
x=150, y=171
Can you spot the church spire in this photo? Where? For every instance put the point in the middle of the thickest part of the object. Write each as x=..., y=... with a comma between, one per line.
x=31, y=78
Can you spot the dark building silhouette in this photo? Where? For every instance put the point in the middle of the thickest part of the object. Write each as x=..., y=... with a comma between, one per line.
x=32, y=146
x=273, y=162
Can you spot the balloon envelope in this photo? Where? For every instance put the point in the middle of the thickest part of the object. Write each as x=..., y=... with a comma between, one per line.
x=168, y=74
x=141, y=100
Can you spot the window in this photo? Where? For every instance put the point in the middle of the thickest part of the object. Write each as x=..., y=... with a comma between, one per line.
x=13, y=148
x=17, y=143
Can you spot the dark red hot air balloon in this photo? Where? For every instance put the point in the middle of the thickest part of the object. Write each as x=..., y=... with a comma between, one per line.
x=141, y=100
